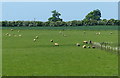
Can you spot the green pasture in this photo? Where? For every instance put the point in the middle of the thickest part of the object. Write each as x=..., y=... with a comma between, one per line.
x=23, y=57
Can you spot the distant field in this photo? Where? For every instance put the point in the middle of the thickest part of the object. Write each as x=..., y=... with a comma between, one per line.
x=23, y=57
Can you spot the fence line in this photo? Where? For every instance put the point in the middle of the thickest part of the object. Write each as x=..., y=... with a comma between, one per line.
x=104, y=46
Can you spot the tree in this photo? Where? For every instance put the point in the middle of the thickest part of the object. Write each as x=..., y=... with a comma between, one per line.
x=55, y=16
x=94, y=15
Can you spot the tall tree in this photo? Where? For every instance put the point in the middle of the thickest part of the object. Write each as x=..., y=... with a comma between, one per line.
x=55, y=16
x=94, y=15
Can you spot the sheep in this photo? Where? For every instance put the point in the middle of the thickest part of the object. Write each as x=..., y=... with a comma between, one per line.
x=9, y=35
x=6, y=34
x=88, y=46
x=90, y=42
x=56, y=44
x=64, y=35
x=34, y=40
x=60, y=32
x=85, y=42
x=19, y=35
x=11, y=29
x=93, y=47
x=84, y=46
x=18, y=30
x=110, y=32
x=84, y=32
x=77, y=44
x=36, y=37
x=96, y=33
x=51, y=40
x=15, y=35
x=99, y=33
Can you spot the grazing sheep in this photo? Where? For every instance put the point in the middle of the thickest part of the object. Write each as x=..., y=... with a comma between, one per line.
x=77, y=44
x=93, y=46
x=110, y=32
x=15, y=35
x=18, y=30
x=84, y=46
x=60, y=32
x=9, y=35
x=85, y=42
x=84, y=32
x=90, y=42
x=99, y=33
x=20, y=35
x=6, y=34
x=96, y=33
x=11, y=29
x=51, y=40
x=64, y=35
x=56, y=44
x=36, y=37
x=34, y=40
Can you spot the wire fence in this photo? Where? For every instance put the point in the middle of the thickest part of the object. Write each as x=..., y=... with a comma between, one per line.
x=107, y=47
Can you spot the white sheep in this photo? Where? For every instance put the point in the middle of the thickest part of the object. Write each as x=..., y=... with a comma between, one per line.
x=36, y=37
x=93, y=46
x=9, y=35
x=51, y=40
x=15, y=35
x=60, y=32
x=77, y=44
x=110, y=32
x=19, y=35
x=11, y=29
x=99, y=33
x=84, y=46
x=18, y=30
x=84, y=32
x=56, y=44
x=64, y=35
x=85, y=42
x=96, y=33
x=6, y=34
x=34, y=40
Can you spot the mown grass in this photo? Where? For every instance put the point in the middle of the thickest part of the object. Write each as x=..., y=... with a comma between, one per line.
x=23, y=57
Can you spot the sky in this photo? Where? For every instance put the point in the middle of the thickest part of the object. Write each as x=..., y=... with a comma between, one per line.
x=41, y=11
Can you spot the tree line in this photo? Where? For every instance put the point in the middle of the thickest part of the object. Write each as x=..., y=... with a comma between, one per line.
x=91, y=19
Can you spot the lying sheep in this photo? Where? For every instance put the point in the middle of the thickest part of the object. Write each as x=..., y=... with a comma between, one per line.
x=51, y=40
x=85, y=42
x=56, y=44
x=93, y=46
x=84, y=46
x=77, y=44
x=34, y=40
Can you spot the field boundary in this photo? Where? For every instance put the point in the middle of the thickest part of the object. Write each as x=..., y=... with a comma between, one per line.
x=68, y=28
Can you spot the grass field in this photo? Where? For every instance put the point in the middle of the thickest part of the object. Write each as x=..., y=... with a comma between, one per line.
x=23, y=57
